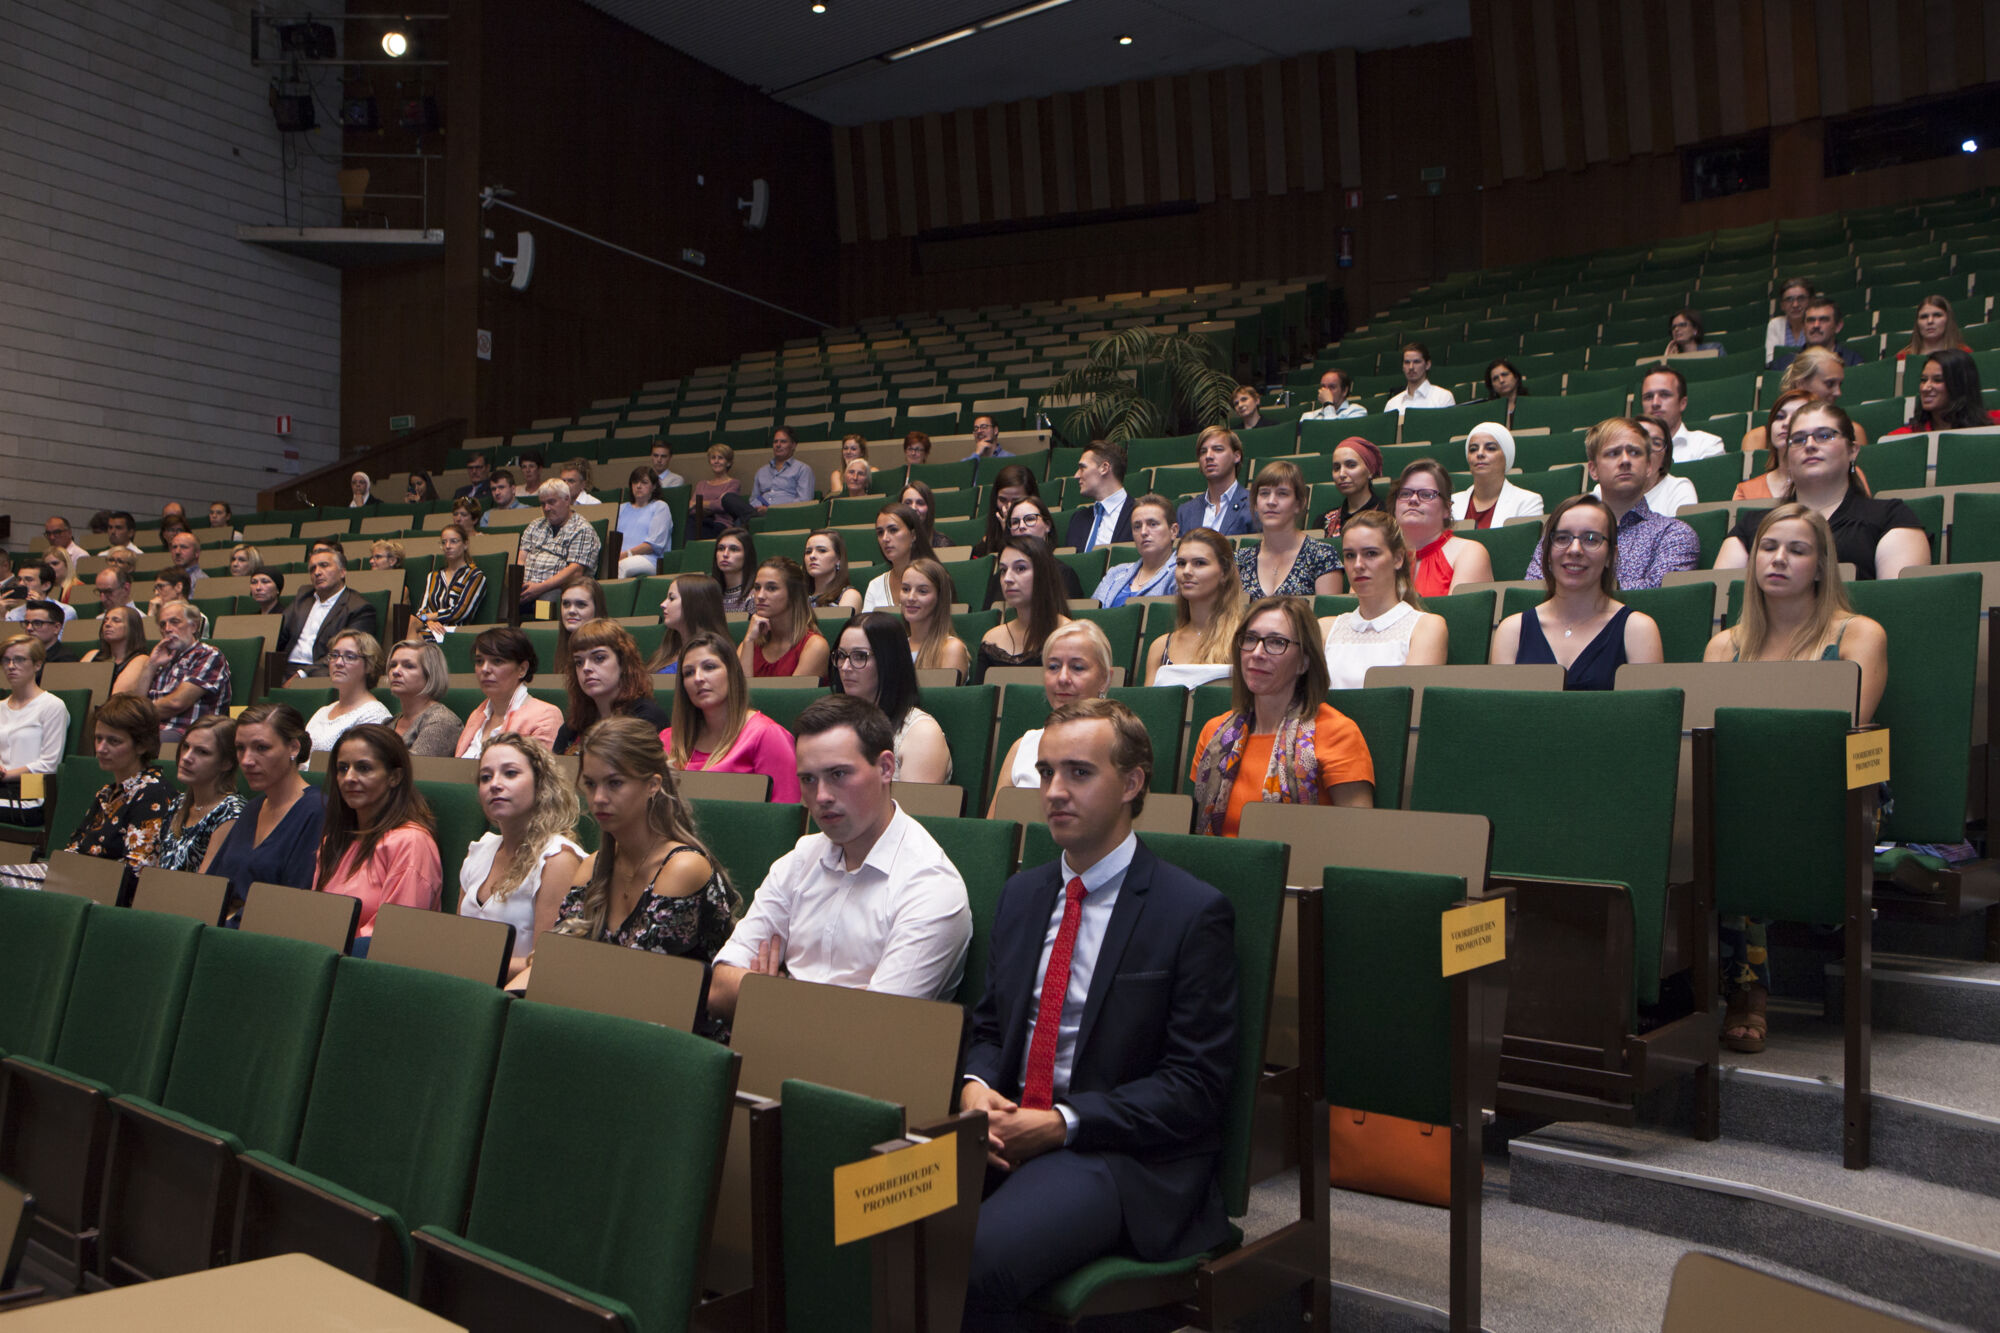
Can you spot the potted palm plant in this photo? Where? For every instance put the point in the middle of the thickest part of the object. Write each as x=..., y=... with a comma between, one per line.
x=1139, y=383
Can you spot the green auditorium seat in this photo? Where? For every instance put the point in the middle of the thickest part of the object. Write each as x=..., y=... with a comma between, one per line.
x=965, y=714
x=1510, y=547
x=983, y=850
x=244, y=656
x=1468, y=619
x=1965, y=460
x=460, y=823
x=541, y=1248
x=1975, y=528
x=829, y=1286
x=1898, y=464
x=117, y=1035
x=392, y=1126
x=40, y=934
x=1715, y=479
x=1251, y=874
x=241, y=1069
x=1574, y=411
x=747, y=837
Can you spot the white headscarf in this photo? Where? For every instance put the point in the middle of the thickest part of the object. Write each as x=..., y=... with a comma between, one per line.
x=1501, y=435
x=367, y=493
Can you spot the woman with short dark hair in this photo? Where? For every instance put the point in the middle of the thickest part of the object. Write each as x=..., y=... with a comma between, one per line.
x=129, y=814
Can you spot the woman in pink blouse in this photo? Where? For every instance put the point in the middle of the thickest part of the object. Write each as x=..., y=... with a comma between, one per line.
x=716, y=730
x=380, y=840
x=505, y=661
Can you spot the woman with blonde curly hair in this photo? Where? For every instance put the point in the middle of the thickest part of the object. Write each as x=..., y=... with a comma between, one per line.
x=521, y=869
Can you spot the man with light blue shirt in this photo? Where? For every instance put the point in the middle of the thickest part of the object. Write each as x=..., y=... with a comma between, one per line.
x=1225, y=506
x=784, y=480
x=1106, y=518
x=1334, y=403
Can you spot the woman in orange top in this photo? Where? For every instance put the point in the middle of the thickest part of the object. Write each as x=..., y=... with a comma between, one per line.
x=1280, y=741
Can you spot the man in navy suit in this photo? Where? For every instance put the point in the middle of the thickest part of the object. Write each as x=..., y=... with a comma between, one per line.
x=1105, y=517
x=1105, y=1103
x=1224, y=506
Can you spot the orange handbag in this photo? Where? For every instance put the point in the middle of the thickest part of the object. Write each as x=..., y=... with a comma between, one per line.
x=1380, y=1154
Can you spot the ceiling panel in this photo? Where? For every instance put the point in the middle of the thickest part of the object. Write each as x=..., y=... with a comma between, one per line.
x=828, y=64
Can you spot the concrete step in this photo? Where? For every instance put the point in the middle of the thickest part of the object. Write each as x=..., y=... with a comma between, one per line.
x=1922, y=1246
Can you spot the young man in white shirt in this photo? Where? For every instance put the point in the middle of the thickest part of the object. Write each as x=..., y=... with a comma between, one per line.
x=1334, y=403
x=1223, y=505
x=1417, y=376
x=504, y=495
x=663, y=458
x=870, y=901
x=1664, y=394
x=1105, y=517
x=119, y=527
x=1666, y=494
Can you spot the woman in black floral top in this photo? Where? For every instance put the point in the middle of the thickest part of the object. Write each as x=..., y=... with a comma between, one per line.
x=202, y=817
x=652, y=884
x=129, y=814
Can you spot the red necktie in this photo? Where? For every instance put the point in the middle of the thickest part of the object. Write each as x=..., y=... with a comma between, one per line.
x=1039, y=1087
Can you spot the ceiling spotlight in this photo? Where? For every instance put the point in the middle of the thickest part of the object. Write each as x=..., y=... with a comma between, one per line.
x=1969, y=146
x=1124, y=41
x=395, y=44
x=818, y=8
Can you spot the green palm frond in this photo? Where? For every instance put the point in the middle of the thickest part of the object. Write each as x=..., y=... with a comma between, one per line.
x=1141, y=382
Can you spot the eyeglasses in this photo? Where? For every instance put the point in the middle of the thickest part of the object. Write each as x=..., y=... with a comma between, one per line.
x=1590, y=541
x=860, y=657
x=39, y=624
x=1824, y=435
x=17, y=662
x=1421, y=494
x=1271, y=645
x=344, y=655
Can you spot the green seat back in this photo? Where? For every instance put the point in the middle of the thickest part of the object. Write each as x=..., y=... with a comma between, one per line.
x=1715, y=479
x=242, y=655
x=1380, y=952
x=1468, y=619
x=983, y=851
x=40, y=934
x=1251, y=874
x=249, y=1036
x=408, y=1049
x=1789, y=869
x=125, y=998
x=635, y=1233
x=1933, y=628
x=965, y=714
x=781, y=703
x=1614, y=819
x=1964, y=460
x=1121, y=626
x=1900, y=464
x=828, y=1288
x=1510, y=547
x=968, y=580
x=460, y=823
x=747, y=837
x=1088, y=566
x=1710, y=528
x=77, y=704
x=1022, y=707
x=77, y=783
x=1975, y=528
x=1554, y=486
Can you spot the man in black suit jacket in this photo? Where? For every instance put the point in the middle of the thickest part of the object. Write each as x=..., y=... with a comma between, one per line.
x=1100, y=480
x=343, y=609
x=1108, y=1135
x=476, y=487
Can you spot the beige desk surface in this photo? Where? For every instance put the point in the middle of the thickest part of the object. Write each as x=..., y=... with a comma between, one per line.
x=294, y=1292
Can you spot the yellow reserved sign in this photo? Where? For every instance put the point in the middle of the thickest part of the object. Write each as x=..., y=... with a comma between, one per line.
x=1474, y=935
x=33, y=788
x=543, y=610
x=882, y=1193
x=1867, y=758
x=238, y=710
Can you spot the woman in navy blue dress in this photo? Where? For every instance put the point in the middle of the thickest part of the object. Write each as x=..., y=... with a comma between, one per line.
x=1582, y=627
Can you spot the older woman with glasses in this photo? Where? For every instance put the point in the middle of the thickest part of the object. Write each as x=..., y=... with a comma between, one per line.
x=1280, y=740
x=353, y=664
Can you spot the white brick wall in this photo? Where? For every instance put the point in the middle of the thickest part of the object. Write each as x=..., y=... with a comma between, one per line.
x=145, y=352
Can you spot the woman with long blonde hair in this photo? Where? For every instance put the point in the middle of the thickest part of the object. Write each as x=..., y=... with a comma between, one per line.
x=1209, y=603
x=520, y=870
x=927, y=597
x=653, y=884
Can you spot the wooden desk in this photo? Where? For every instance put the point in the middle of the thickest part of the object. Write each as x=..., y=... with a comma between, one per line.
x=291, y=1291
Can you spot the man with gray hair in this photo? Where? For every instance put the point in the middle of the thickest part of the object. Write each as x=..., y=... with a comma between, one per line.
x=557, y=547
x=185, y=679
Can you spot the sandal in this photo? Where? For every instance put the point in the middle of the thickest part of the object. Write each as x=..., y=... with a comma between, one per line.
x=1744, y=1025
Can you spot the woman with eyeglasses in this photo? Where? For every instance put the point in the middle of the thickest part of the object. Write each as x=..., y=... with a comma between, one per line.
x=826, y=565
x=1031, y=589
x=1286, y=563
x=1011, y=484
x=1582, y=626
x=353, y=664
x=926, y=605
x=1880, y=537
x=900, y=537
x=1031, y=518
x=1422, y=503
x=1795, y=609
x=646, y=523
x=1208, y=610
x=873, y=663
x=1390, y=627
x=1684, y=335
x=1076, y=664
x=33, y=726
x=1280, y=740
x=1788, y=329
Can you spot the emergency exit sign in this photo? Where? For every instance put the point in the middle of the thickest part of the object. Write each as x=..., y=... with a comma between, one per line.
x=405, y=422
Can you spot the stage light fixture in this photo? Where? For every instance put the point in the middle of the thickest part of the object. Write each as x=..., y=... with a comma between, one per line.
x=819, y=8
x=395, y=44
x=1969, y=146
x=1124, y=41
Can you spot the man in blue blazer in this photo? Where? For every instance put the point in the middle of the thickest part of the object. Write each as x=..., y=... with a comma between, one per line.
x=1103, y=1135
x=1224, y=506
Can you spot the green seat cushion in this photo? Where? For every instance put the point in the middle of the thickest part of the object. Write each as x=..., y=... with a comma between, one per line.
x=624, y=1312
x=1069, y=1297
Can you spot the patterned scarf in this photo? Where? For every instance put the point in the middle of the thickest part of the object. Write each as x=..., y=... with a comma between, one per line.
x=1294, y=780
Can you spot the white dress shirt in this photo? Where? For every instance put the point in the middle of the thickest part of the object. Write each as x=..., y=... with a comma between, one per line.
x=302, y=648
x=1355, y=643
x=1111, y=506
x=1424, y=395
x=1213, y=514
x=898, y=924
x=1692, y=444
x=1101, y=884
x=1665, y=497
x=1328, y=412
x=21, y=612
